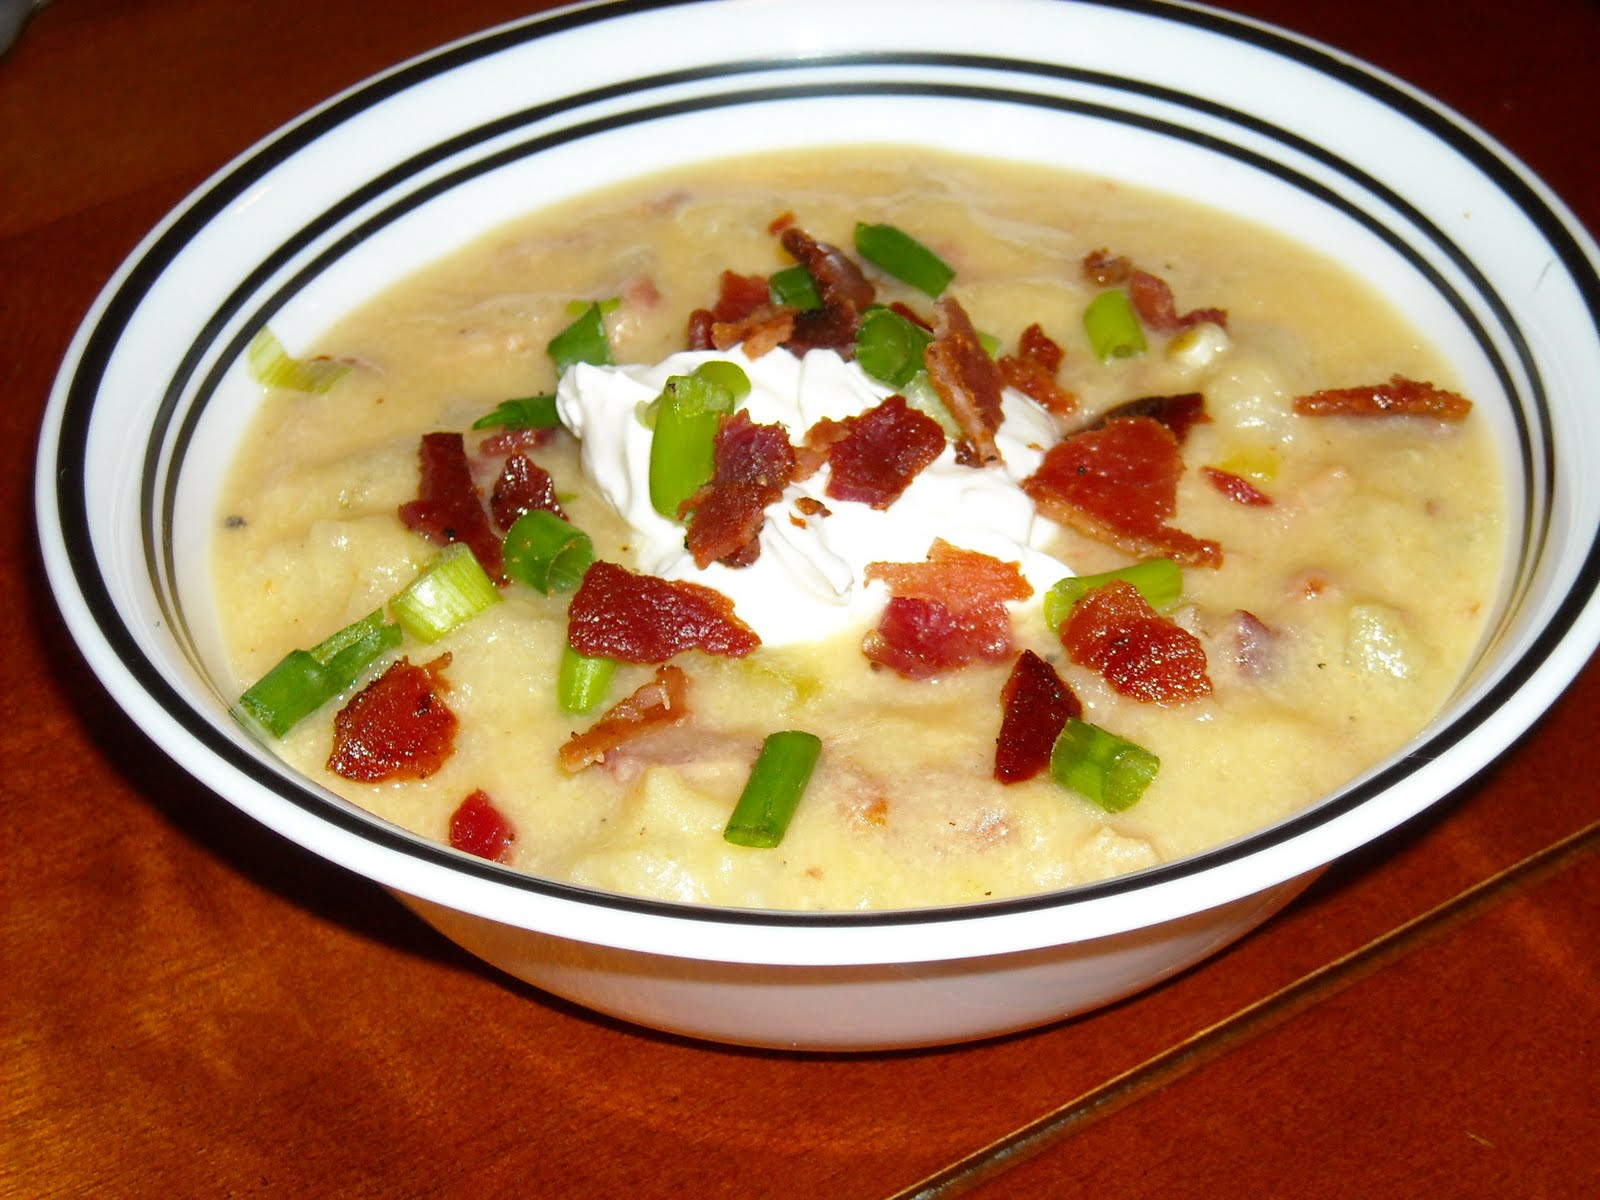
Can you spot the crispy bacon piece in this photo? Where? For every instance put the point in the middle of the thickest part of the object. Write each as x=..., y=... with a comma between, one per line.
x=397, y=727
x=1179, y=413
x=844, y=291
x=1119, y=483
x=967, y=380
x=1106, y=269
x=738, y=299
x=1253, y=644
x=954, y=576
x=508, y=441
x=1152, y=300
x=873, y=457
x=1032, y=371
x=616, y=613
x=523, y=487
x=661, y=702
x=1113, y=630
x=919, y=638
x=1036, y=704
x=478, y=827
x=1235, y=487
x=448, y=507
x=752, y=464
x=945, y=612
x=1400, y=397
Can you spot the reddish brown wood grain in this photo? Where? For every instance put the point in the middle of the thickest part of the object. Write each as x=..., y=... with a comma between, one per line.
x=192, y=1006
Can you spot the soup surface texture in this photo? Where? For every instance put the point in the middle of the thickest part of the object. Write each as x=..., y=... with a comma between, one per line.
x=1359, y=556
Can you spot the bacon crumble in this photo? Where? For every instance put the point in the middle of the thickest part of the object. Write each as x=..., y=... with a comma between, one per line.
x=523, y=487
x=397, y=727
x=637, y=618
x=945, y=612
x=661, y=702
x=1032, y=371
x=873, y=457
x=1142, y=655
x=1235, y=487
x=449, y=507
x=1152, y=299
x=967, y=380
x=1036, y=704
x=1118, y=483
x=752, y=464
x=478, y=827
x=1400, y=397
x=842, y=287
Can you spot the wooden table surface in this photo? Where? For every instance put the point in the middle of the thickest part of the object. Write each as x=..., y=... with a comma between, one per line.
x=193, y=1007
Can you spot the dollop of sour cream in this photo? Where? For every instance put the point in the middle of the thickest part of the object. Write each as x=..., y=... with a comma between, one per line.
x=809, y=581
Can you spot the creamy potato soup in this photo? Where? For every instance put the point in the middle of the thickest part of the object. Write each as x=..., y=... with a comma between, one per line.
x=1356, y=556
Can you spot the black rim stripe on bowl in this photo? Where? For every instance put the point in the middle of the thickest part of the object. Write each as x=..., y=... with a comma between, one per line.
x=143, y=274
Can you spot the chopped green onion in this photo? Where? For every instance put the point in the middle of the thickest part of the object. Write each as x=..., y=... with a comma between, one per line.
x=582, y=341
x=526, y=412
x=773, y=791
x=990, y=343
x=1159, y=580
x=1113, y=327
x=793, y=286
x=451, y=589
x=1100, y=766
x=894, y=250
x=305, y=680
x=576, y=308
x=272, y=366
x=547, y=553
x=921, y=395
x=726, y=374
x=889, y=346
x=583, y=681
x=682, y=451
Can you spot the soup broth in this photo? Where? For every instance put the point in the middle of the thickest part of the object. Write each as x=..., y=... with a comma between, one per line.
x=1342, y=614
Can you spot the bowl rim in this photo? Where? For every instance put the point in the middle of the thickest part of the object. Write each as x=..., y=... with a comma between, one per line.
x=409, y=863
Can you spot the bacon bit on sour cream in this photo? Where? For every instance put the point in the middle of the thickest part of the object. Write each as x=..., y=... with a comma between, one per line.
x=751, y=465
x=945, y=612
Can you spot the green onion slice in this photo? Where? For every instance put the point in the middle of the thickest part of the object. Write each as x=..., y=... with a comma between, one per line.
x=1100, y=766
x=451, y=589
x=305, y=680
x=272, y=366
x=1113, y=327
x=921, y=395
x=547, y=553
x=1159, y=580
x=526, y=412
x=583, y=681
x=794, y=287
x=582, y=341
x=576, y=308
x=889, y=346
x=773, y=791
x=895, y=251
x=682, y=449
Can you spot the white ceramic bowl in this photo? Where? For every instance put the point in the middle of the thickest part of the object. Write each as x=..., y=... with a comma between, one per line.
x=397, y=171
